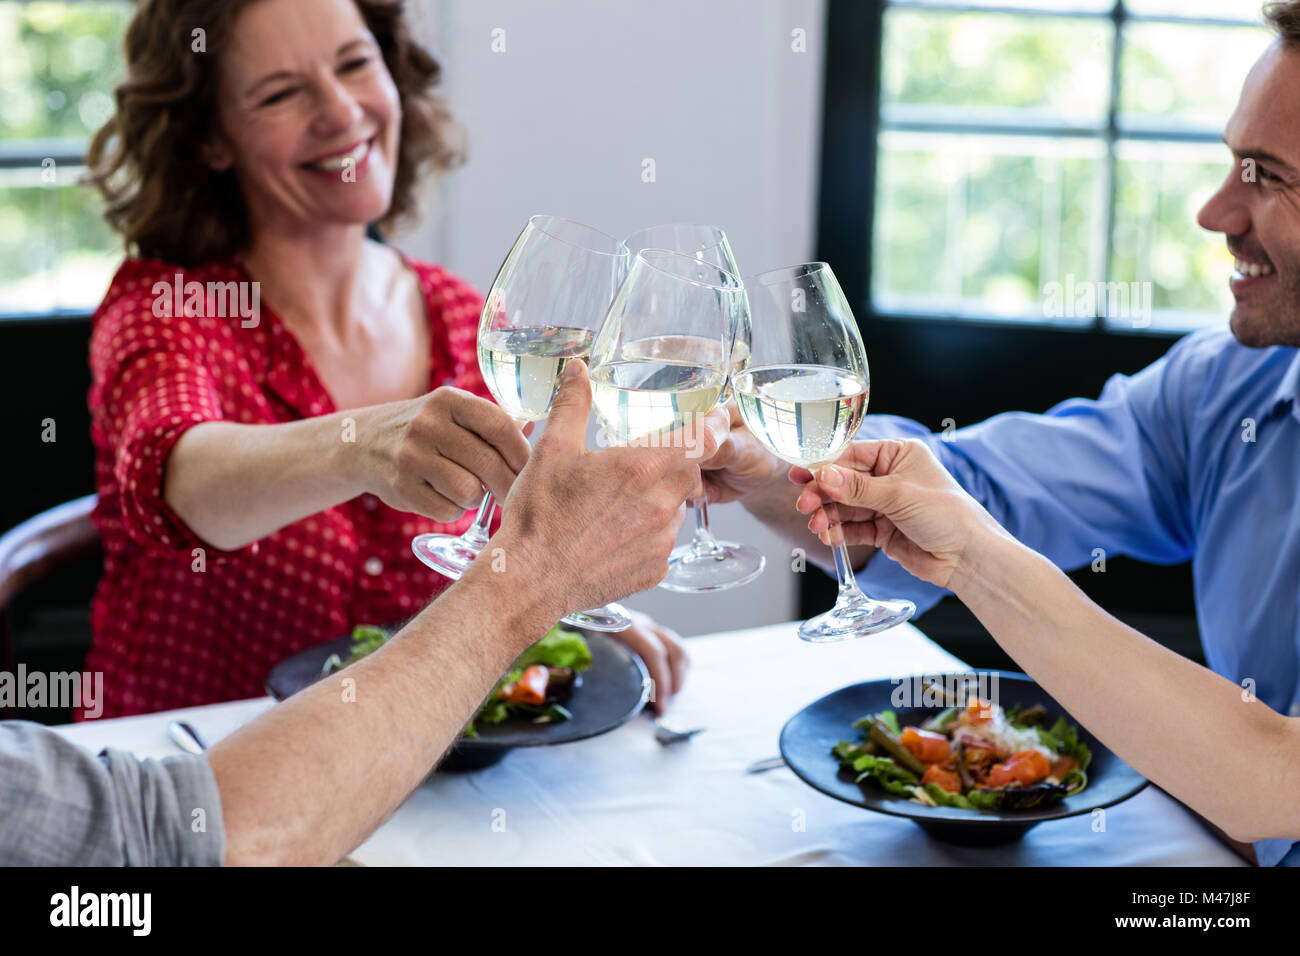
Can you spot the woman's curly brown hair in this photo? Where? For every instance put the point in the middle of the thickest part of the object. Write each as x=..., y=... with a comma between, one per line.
x=162, y=197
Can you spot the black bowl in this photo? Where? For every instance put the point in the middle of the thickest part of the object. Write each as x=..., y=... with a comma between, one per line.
x=613, y=691
x=808, y=736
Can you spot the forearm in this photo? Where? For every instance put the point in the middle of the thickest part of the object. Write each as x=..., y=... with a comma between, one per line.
x=233, y=484
x=311, y=779
x=1191, y=731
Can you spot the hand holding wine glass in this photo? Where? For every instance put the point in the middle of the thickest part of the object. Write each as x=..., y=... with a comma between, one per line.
x=433, y=455
x=894, y=495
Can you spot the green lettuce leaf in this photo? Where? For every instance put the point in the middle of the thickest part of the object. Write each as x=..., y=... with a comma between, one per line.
x=559, y=648
x=983, y=799
x=1064, y=739
x=888, y=716
x=892, y=777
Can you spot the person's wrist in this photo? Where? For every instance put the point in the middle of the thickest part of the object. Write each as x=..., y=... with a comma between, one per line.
x=983, y=564
x=350, y=437
x=513, y=576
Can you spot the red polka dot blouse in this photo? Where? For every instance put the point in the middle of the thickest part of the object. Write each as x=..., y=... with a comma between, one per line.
x=175, y=626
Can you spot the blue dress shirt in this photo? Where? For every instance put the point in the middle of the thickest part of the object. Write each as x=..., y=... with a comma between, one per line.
x=1196, y=457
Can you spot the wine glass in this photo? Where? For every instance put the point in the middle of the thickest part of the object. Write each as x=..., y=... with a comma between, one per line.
x=549, y=297
x=643, y=395
x=705, y=564
x=804, y=397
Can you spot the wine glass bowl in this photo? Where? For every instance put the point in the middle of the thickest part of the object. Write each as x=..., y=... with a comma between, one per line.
x=804, y=396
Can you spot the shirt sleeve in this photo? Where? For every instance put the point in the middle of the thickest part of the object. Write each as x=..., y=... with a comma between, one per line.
x=1088, y=478
x=154, y=383
x=61, y=805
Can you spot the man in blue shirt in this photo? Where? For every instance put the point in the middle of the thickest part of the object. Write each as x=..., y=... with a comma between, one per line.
x=1195, y=458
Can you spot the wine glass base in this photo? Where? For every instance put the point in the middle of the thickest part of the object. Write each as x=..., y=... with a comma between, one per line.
x=856, y=619
x=728, y=566
x=611, y=617
x=448, y=554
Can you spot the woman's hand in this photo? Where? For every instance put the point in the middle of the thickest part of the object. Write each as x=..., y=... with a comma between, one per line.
x=661, y=649
x=894, y=495
x=433, y=455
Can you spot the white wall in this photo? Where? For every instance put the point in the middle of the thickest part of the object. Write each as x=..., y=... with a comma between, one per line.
x=561, y=122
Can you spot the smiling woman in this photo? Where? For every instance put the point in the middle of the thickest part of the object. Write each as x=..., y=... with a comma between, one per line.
x=163, y=161
x=260, y=476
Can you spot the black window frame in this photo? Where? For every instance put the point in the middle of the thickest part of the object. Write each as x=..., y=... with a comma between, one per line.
x=852, y=124
x=933, y=369
x=68, y=152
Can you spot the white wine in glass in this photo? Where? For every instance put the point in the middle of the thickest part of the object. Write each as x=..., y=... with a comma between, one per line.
x=523, y=368
x=803, y=397
x=636, y=399
x=804, y=414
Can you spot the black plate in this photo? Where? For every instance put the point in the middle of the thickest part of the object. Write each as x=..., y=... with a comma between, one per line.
x=808, y=736
x=614, y=690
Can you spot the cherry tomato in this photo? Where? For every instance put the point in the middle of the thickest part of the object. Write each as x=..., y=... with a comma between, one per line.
x=1025, y=767
x=925, y=745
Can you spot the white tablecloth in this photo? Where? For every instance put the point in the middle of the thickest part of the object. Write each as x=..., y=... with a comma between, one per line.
x=624, y=799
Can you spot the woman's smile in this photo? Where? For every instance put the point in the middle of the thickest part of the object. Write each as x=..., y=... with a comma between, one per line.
x=355, y=157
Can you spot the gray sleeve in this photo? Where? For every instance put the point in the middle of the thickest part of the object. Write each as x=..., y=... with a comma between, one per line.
x=61, y=805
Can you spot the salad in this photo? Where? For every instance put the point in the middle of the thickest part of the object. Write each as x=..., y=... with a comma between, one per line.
x=977, y=757
x=536, y=687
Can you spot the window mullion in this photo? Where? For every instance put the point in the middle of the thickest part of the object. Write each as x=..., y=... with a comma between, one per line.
x=1118, y=16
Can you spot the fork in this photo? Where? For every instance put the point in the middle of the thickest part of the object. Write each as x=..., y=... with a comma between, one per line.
x=669, y=735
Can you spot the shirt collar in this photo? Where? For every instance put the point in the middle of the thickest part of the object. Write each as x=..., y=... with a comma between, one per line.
x=286, y=369
x=1288, y=389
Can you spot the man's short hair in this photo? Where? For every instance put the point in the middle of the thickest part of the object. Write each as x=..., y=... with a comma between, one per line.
x=1284, y=17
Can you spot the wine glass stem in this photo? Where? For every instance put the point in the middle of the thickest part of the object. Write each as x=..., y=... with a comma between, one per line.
x=703, y=541
x=477, y=533
x=849, y=590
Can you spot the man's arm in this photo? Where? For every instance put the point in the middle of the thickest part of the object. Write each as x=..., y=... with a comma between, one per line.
x=311, y=779
x=307, y=782
x=342, y=755
x=1106, y=473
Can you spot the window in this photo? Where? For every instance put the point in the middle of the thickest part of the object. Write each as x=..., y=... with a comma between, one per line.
x=59, y=64
x=1044, y=160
